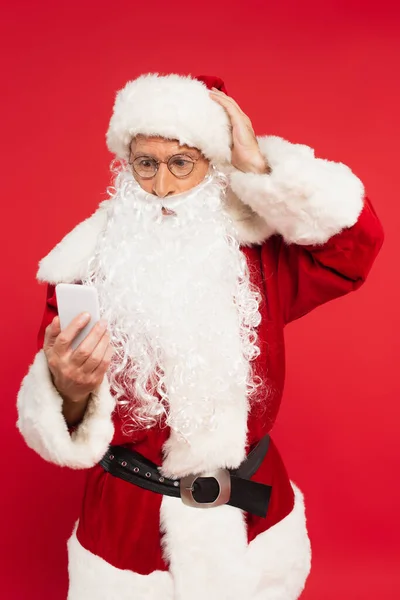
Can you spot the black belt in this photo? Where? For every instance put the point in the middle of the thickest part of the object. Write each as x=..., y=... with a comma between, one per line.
x=223, y=486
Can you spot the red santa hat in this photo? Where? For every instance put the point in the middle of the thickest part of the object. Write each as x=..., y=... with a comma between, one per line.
x=175, y=107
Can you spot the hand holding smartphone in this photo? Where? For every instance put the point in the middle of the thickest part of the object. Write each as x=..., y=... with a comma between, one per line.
x=78, y=351
x=74, y=299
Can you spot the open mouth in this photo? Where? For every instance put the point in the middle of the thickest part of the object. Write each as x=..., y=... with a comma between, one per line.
x=167, y=212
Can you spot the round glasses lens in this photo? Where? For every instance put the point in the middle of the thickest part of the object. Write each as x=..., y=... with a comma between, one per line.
x=180, y=166
x=145, y=167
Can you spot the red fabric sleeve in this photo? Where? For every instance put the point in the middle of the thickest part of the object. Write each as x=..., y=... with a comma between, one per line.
x=309, y=276
x=50, y=312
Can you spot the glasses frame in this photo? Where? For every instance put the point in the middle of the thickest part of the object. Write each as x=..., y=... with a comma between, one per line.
x=166, y=162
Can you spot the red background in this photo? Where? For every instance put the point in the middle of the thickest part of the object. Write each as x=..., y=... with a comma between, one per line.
x=322, y=73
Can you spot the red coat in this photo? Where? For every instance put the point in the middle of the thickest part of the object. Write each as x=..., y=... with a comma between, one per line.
x=309, y=236
x=118, y=517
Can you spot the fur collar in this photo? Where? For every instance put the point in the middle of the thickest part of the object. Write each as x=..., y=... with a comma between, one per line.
x=69, y=260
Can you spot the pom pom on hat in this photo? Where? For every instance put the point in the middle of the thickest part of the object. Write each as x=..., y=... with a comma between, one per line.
x=175, y=107
x=213, y=82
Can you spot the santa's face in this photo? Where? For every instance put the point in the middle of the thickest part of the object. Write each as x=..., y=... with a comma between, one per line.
x=164, y=167
x=182, y=314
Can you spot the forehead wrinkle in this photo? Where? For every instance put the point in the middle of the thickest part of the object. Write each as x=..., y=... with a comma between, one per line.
x=155, y=148
x=168, y=157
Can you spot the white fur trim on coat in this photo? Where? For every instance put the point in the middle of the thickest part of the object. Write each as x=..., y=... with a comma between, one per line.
x=250, y=227
x=174, y=107
x=280, y=558
x=209, y=558
x=69, y=259
x=42, y=424
x=206, y=550
x=92, y=578
x=219, y=447
x=305, y=199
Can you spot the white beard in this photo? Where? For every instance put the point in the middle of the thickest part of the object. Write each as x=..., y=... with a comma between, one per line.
x=182, y=316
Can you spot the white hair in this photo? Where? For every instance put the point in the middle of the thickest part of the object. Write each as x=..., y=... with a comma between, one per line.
x=181, y=309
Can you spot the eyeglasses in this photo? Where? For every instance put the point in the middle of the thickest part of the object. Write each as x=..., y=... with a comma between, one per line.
x=179, y=165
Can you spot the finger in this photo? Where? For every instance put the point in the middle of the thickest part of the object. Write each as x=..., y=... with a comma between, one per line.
x=233, y=109
x=97, y=355
x=51, y=332
x=234, y=113
x=227, y=99
x=242, y=128
x=223, y=99
x=67, y=335
x=85, y=349
x=105, y=362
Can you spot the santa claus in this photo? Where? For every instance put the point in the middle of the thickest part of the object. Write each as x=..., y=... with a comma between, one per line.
x=212, y=241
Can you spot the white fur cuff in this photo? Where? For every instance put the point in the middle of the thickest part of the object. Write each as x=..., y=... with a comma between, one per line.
x=305, y=199
x=41, y=422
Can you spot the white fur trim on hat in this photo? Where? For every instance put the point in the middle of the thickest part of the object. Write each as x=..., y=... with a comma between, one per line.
x=172, y=106
x=305, y=199
x=42, y=424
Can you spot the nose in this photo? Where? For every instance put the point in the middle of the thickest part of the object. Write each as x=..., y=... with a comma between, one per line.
x=164, y=183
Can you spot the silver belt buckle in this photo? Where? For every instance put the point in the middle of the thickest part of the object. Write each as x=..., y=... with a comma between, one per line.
x=223, y=478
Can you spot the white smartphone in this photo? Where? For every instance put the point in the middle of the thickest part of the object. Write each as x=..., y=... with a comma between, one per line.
x=74, y=299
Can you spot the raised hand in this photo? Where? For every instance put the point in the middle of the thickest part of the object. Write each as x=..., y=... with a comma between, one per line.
x=246, y=154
